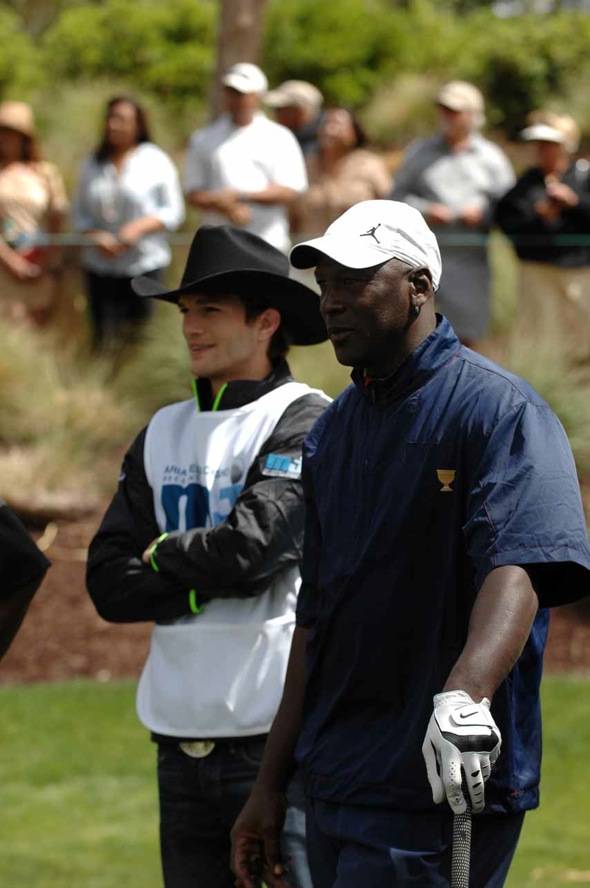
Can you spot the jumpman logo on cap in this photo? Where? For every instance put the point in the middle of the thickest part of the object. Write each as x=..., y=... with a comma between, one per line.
x=371, y=233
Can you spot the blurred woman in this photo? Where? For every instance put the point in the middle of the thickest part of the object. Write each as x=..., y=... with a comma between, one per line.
x=341, y=173
x=128, y=197
x=33, y=202
x=547, y=215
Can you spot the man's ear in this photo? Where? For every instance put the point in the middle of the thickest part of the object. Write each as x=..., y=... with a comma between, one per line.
x=269, y=322
x=420, y=281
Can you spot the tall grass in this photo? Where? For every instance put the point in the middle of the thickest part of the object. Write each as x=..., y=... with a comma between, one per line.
x=60, y=421
x=66, y=417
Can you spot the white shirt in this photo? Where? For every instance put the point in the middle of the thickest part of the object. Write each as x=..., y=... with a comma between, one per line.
x=247, y=158
x=146, y=185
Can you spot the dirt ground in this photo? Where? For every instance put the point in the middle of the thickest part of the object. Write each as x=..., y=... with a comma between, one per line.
x=63, y=637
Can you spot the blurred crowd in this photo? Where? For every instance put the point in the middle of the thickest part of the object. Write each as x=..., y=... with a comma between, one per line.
x=281, y=164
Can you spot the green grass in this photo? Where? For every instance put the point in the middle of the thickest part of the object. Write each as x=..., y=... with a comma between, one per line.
x=78, y=789
x=79, y=807
x=52, y=391
x=554, y=847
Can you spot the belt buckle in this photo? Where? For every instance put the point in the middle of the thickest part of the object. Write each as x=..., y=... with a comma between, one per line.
x=197, y=748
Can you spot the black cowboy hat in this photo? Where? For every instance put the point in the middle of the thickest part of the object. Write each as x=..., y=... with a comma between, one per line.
x=223, y=259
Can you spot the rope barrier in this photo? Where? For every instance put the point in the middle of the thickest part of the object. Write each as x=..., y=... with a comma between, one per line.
x=445, y=239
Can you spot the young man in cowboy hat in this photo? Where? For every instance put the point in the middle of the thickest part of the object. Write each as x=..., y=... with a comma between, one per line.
x=204, y=537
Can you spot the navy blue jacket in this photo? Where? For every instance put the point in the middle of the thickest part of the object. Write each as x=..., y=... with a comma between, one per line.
x=417, y=487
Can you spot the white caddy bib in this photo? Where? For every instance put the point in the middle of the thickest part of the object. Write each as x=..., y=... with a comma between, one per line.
x=219, y=673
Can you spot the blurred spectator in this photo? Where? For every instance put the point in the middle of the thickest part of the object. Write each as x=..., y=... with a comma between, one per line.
x=244, y=167
x=341, y=173
x=455, y=179
x=128, y=197
x=551, y=201
x=32, y=202
x=22, y=568
x=297, y=105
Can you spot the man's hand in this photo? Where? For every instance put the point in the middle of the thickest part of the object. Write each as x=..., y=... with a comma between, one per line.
x=438, y=214
x=462, y=738
x=562, y=194
x=240, y=214
x=472, y=215
x=148, y=554
x=548, y=210
x=256, y=841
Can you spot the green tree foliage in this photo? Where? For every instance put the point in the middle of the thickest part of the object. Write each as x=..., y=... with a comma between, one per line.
x=19, y=68
x=353, y=50
x=523, y=63
x=345, y=48
x=164, y=47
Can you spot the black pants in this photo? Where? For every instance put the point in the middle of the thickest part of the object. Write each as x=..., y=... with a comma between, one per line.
x=116, y=312
x=200, y=799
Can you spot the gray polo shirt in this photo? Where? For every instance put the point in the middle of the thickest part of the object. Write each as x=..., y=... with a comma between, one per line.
x=478, y=174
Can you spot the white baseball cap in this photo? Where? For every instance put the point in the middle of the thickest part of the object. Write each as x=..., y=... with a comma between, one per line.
x=550, y=127
x=245, y=78
x=373, y=232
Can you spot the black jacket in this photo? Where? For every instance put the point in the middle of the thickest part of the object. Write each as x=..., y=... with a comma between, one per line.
x=538, y=240
x=22, y=568
x=263, y=533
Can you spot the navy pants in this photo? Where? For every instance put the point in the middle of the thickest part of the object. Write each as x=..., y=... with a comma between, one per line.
x=199, y=802
x=354, y=847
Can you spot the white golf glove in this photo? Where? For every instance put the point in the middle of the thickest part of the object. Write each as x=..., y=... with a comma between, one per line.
x=462, y=738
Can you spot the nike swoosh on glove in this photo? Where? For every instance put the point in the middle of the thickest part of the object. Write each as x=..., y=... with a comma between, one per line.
x=462, y=738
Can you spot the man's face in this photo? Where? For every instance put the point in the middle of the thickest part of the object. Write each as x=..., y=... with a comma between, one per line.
x=454, y=124
x=240, y=106
x=367, y=312
x=550, y=156
x=11, y=144
x=222, y=343
x=291, y=116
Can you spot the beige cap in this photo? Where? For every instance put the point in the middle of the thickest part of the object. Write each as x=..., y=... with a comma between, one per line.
x=245, y=78
x=458, y=95
x=299, y=93
x=17, y=116
x=547, y=126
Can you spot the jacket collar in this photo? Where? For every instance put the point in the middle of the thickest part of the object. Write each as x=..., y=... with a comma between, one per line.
x=240, y=391
x=431, y=355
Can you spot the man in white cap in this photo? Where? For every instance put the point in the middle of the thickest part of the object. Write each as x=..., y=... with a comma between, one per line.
x=455, y=179
x=443, y=515
x=297, y=105
x=547, y=216
x=245, y=168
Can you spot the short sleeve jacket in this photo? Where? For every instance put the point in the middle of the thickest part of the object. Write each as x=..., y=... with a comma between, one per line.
x=417, y=488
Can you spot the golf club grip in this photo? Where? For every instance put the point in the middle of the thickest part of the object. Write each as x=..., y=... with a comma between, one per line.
x=461, y=853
